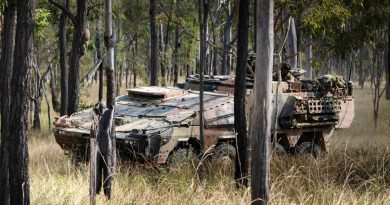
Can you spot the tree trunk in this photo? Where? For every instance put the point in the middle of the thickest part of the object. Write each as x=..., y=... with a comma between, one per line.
x=153, y=43
x=308, y=59
x=64, y=70
x=37, y=98
x=291, y=46
x=203, y=7
x=118, y=76
x=241, y=171
x=388, y=63
x=99, y=56
x=260, y=128
x=6, y=63
x=20, y=89
x=134, y=52
x=54, y=99
x=176, y=48
x=225, y=67
x=254, y=25
x=74, y=67
x=106, y=136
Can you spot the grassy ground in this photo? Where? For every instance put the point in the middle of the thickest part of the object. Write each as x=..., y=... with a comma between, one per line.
x=356, y=171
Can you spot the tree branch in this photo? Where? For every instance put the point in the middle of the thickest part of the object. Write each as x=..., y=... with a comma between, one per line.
x=65, y=10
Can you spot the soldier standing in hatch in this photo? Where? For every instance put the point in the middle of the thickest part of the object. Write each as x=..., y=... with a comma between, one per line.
x=251, y=63
x=286, y=73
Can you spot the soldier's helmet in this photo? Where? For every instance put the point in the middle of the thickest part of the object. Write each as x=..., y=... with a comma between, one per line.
x=285, y=69
x=252, y=56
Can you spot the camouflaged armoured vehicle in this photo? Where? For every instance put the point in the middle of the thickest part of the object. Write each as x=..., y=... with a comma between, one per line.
x=155, y=123
x=305, y=112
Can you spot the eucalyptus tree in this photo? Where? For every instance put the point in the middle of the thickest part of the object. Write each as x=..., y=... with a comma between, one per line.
x=63, y=60
x=203, y=6
x=260, y=128
x=80, y=38
x=6, y=62
x=106, y=159
x=19, y=192
x=241, y=171
x=153, y=43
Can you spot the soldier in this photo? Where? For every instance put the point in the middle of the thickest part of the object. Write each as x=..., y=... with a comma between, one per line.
x=251, y=63
x=286, y=73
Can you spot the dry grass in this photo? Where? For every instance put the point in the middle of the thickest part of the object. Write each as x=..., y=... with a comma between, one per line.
x=356, y=171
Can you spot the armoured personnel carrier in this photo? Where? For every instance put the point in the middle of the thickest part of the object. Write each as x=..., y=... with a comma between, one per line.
x=155, y=123
x=305, y=112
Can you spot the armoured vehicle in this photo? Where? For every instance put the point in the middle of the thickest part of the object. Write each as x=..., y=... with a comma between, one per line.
x=305, y=112
x=155, y=123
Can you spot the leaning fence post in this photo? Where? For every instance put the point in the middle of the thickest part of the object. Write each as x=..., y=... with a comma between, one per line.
x=92, y=157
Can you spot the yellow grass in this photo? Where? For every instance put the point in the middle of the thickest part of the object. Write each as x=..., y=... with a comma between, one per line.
x=356, y=171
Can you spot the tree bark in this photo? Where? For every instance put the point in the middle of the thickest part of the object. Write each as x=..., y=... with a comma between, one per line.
x=308, y=59
x=225, y=67
x=99, y=56
x=8, y=36
x=20, y=89
x=37, y=98
x=176, y=47
x=241, y=171
x=74, y=67
x=64, y=70
x=153, y=43
x=260, y=128
x=53, y=90
x=291, y=46
x=203, y=15
x=106, y=136
x=388, y=63
x=118, y=76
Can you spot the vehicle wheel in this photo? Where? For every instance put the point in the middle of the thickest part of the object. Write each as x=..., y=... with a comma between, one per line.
x=79, y=156
x=279, y=149
x=181, y=156
x=308, y=148
x=224, y=157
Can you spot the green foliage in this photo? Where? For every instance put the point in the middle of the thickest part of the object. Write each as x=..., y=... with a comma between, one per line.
x=83, y=106
x=340, y=26
x=41, y=20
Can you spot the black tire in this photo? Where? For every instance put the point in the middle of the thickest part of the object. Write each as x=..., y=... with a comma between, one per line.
x=224, y=157
x=181, y=156
x=305, y=148
x=79, y=155
x=279, y=149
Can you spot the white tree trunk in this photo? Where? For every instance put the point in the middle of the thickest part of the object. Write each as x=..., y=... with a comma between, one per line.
x=260, y=129
x=308, y=59
x=291, y=48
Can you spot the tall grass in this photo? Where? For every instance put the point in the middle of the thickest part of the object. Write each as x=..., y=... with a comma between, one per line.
x=356, y=171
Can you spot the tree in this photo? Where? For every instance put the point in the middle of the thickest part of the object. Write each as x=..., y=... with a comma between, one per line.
x=291, y=47
x=176, y=47
x=153, y=43
x=308, y=59
x=260, y=128
x=106, y=135
x=64, y=70
x=388, y=62
x=20, y=90
x=226, y=39
x=241, y=171
x=80, y=38
x=203, y=14
x=6, y=63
